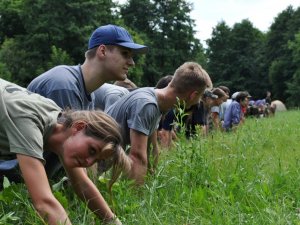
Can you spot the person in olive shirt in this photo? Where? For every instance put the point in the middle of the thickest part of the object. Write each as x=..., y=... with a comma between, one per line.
x=31, y=125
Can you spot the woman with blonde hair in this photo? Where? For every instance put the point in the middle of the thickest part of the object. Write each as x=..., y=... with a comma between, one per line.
x=31, y=124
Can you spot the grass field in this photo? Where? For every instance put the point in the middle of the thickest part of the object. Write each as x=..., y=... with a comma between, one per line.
x=247, y=177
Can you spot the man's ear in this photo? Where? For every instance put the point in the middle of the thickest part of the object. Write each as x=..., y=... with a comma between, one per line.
x=101, y=50
x=193, y=95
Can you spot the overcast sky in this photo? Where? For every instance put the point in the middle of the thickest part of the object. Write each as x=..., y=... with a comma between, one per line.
x=261, y=13
x=207, y=13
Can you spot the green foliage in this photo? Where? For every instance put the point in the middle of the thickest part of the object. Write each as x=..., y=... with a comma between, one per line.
x=13, y=59
x=37, y=35
x=219, y=54
x=4, y=72
x=234, y=55
x=42, y=24
x=294, y=84
x=168, y=31
x=279, y=56
x=58, y=57
x=250, y=176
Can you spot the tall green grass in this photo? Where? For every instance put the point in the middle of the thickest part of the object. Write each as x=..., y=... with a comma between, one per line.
x=250, y=176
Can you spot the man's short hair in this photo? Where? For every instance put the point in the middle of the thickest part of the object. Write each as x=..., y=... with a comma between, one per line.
x=225, y=89
x=164, y=81
x=219, y=92
x=242, y=95
x=190, y=76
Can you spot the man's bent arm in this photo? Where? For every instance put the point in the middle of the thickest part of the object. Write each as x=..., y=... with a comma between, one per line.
x=138, y=154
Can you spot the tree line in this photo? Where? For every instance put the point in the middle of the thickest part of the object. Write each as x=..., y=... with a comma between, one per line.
x=36, y=35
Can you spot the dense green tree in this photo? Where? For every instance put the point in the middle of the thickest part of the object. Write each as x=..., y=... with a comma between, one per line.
x=10, y=19
x=233, y=58
x=66, y=25
x=219, y=53
x=169, y=33
x=278, y=54
x=245, y=44
x=294, y=83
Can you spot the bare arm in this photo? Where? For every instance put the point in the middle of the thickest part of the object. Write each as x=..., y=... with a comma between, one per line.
x=88, y=192
x=47, y=206
x=166, y=138
x=138, y=154
x=155, y=149
x=216, y=120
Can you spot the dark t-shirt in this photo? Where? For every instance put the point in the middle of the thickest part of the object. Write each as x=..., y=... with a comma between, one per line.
x=137, y=110
x=198, y=116
x=65, y=86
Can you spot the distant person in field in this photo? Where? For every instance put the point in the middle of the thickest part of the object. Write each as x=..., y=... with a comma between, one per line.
x=216, y=107
x=139, y=112
x=200, y=113
x=108, y=94
x=268, y=98
x=221, y=109
x=234, y=114
x=31, y=125
x=108, y=58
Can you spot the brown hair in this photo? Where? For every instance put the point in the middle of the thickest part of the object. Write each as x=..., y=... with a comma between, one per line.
x=190, y=76
x=104, y=127
x=91, y=53
x=219, y=92
x=225, y=89
x=164, y=81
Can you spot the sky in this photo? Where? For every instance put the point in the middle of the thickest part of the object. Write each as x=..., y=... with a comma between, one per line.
x=208, y=13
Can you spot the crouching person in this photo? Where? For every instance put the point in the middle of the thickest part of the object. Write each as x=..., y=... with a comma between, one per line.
x=31, y=124
x=140, y=111
x=234, y=114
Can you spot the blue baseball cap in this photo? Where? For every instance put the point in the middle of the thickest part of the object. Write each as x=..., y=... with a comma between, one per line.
x=114, y=35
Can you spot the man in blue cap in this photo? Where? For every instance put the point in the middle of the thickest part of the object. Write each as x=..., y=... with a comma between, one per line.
x=108, y=58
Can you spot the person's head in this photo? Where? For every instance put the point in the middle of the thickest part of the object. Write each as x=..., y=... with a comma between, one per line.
x=164, y=81
x=93, y=136
x=222, y=95
x=114, y=46
x=125, y=83
x=243, y=98
x=189, y=82
x=234, y=95
x=217, y=97
x=225, y=89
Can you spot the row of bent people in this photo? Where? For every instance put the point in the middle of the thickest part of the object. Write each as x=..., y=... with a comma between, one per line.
x=52, y=124
x=215, y=111
x=71, y=117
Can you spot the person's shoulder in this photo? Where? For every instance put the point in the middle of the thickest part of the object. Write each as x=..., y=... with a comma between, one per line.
x=58, y=76
x=117, y=88
x=60, y=72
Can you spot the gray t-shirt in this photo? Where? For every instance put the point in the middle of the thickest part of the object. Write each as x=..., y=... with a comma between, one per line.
x=137, y=110
x=108, y=94
x=26, y=121
x=65, y=86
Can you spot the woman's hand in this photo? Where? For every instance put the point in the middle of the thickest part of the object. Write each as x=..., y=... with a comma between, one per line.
x=47, y=206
